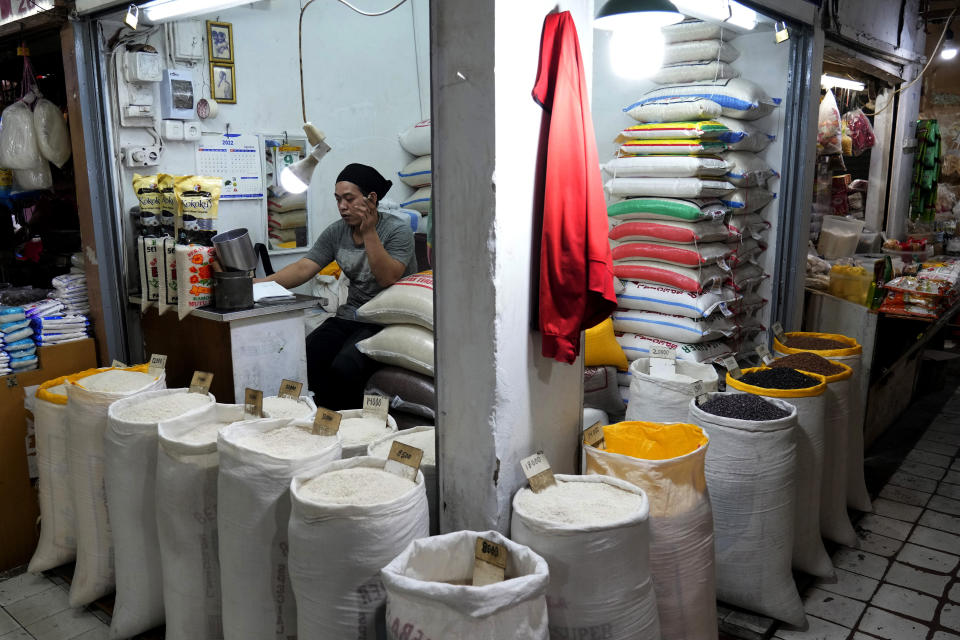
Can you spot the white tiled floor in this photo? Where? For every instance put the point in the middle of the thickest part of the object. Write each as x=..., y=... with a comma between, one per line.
x=36, y=607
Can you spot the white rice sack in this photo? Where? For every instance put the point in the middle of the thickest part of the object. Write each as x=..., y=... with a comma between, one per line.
x=743, y=136
x=130, y=477
x=747, y=199
x=347, y=522
x=592, y=416
x=684, y=147
x=694, y=71
x=357, y=431
x=672, y=231
x=34, y=179
x=258, y=459
x=403, y=345
x=594, y=533
x=635, y=346
x=694, y=280
x=18, y=138
x=408, y=301
x=417, y=173
x=282, y=407
x=646, y=297
x=667, y=187
x=698, y=51
x=53, y=139
x=667, y=167
x=748, y=169
x=738, y=98
x=419, y=201
x=750, y=225
x=746, y=277
x=673, y=328
x=416, y=139
x=423, y=438
x=674, y=109
x=665, y=397
x=693, y=29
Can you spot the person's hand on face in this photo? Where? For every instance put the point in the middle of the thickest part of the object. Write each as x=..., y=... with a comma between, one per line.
x=366, y=209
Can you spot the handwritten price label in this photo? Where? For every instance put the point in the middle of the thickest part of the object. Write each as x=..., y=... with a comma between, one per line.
x=593, y=436
x=158, y=363
x=290, y=389
x=764, y=354
x=403, y=460
x=732, y=367
x=490, y=562
x=253, y=403
x=201, y=382
x=778, y=333
x=326, y=422
x=375, y=406
x=538, y=472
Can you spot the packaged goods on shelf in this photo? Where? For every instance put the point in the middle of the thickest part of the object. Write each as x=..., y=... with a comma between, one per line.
x=665, y=397
x=194, y=277
x=666, y=167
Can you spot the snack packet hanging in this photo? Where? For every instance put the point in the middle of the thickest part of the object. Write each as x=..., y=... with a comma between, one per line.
x=198, y=199
x=151, y=263
x=168, y=204
x=147, y=191
x=168, y=287
x=194, y=277
x=828, y=128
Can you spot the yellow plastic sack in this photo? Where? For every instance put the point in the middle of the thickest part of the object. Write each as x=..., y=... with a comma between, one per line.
x=601, y=347
x=652, y=440
x=332, y=269
x=44, y=393
x=808, y=392
x=852, y=350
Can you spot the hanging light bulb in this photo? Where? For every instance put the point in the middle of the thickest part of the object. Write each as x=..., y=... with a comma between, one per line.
x=617, y=15
x=296, y=177
x=949, y=49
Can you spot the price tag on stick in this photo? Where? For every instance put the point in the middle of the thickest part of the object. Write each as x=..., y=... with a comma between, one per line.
x=698, y=392
x=779, y=334
x=290, y=389
x=158, y=362
x=201, y=382
x=490, y=562
x=593, y=436
x=403, y=460
x=538, y=472
x=375, y=406
x=764, y=354
x=663, y=361
x=326, y=422
x=253, y=403
x=116, y=364
x=732, y=367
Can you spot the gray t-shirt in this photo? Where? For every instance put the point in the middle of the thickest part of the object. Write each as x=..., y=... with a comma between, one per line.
x=336, y=243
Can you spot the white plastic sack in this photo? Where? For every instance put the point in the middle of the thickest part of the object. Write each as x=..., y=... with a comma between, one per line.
x=351, y=450
x=667, y=187
x=748, y=169
x=694, y=71
x=669, y=109
x=828, y=126
x=635, y=346
x=407, y=301
x=668, y=327
x=592, y=416
x=696, y=30
x=751, y=472
x=58, y=542
x=600, y=390
x=420, y=200
x=747, y=199
x=600, y=584
x=743, y=136
x=834, y=520
x=416, y=139
x=337, y=551
x=681, y=537
x=53, y=139
x=187, y=525
x=34, y=179
x=422, y=602
x=737, y=97
x=666, y=167
x=253, y=511
x=18, y=138
x=381, y=449
x=416, y=173
x=130, y=479
x=93, y=576
x=658, y=399
x=699, y=50
x=647, y=297
x=402, y=345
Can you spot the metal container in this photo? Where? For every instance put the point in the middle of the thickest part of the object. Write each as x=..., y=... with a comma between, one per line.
x=235, y=251
x=233, y=290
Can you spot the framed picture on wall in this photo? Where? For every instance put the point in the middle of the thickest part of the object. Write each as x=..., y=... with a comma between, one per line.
x=223, y=83
x=220, y=41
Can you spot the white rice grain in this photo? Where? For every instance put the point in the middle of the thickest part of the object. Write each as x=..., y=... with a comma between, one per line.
x=277, y=407
x=116, y=381
x=288, y=442
x=579, y=503
x=423, y=440
x=357, y=485
x=160, y=408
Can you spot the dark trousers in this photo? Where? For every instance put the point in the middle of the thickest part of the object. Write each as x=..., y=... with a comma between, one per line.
x=336, y=370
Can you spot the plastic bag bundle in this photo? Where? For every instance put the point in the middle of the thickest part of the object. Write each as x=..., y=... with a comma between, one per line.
x=35, y=178
x=18, y=139
x=828, y=127
x=429, y=592
x=338, y=549
x=53, y=139
x=665, y=398
x=751, y=475
x=600, y=584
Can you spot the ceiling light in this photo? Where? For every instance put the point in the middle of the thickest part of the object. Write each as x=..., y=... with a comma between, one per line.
x=296, y=177
x=949, y=49
x=616, y=15
x=828, y=82
x=158, y=11
x=725, y=11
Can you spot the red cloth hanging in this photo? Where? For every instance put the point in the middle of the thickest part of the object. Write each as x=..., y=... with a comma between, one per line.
x=576, y=269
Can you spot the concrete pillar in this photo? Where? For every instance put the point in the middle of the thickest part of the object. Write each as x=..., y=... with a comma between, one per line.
x=498, y=399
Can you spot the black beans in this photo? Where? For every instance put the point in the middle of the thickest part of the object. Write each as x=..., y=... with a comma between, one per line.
x=743, y=406
x=782, y=378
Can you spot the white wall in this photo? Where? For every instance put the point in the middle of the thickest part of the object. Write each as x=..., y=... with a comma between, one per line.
x=367, y=80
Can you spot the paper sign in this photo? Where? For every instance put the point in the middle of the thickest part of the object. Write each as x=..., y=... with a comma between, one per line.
x=201, y=382
x=764, y=354
x=593, y=436
x=778, y=333
x=698, y=393
x=326, y=422
x=732, y=367
x=116, y=364
x=158, y=362
x=290, y=389
x=490, y=562
x=661, y=351
x=403, y=460
x=376, y=406
x=253, y=403
x=662, y=361
x=538, y=472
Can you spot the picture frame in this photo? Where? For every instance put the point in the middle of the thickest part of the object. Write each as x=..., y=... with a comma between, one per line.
x=223, y=83
x=220, y=41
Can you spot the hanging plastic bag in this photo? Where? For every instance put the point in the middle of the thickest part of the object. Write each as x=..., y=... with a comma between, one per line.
x=35, y=178
x=53, y=138
x=18, y=139
x=828, y=130
x=860, y=130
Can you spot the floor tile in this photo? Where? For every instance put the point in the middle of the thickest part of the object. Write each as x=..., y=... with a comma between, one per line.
x=944, y=426
x=833, y=607
x=949, y=490
x=941, y=521
x=922, y=470
x=939, y=635
x=897, y=510
x=906, y=496
x=936, y=447
x=862, y=636
x=19, y=634
x=64, y=625
x=817, y=629
x=928, y=558
x=862, y=562
x=919, y=579
x=942, y=438
x=97, y=633
x=39, y=606
x=950, y=616
x=905, y=601
x=935, y=539
x=885, y=526
x=954, y=593
x=910, y=481
x=953, y=477
x=956, y=465
x=944, y=505
x=875, y=543
x=7, y=623
x=24, y=585
x=754, y=624
x=928, y=457
x=884, y=624
x=851, y=585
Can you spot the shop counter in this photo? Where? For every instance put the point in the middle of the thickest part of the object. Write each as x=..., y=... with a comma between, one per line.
x=255, y=348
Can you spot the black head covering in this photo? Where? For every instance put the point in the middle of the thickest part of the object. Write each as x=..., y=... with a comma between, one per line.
x=366, y=178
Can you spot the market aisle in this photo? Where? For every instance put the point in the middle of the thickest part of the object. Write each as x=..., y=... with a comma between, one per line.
x=903, y=583
x=36, y=607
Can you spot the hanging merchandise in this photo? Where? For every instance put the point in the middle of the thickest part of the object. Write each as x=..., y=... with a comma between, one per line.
x=927, y=165
x=423, y=438
x=666, y=461
x=89, y=396
x=593, y=531
x=861, y=133
x=658, y=395
x=430, y=593
x=828, y=131
x=53, y=139
x=805, y=391
x=751, y=474
x=347, y=522
x=18, y=138
x=258, y=459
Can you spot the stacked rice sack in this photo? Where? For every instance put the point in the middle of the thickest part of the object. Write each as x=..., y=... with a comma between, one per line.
x=406, y=344
x=286, y=218
x=686, y=193
x=18, y=352
x=418, y=173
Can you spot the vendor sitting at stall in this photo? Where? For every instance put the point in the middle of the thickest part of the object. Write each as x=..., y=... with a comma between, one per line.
x=374, y=251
